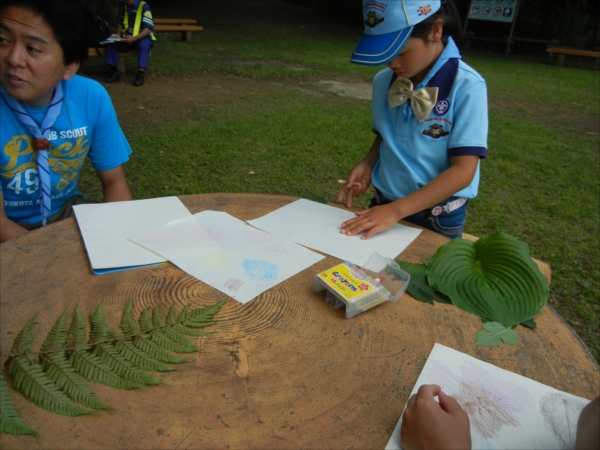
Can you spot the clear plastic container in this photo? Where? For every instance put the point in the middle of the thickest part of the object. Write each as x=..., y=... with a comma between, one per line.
x=379, y=280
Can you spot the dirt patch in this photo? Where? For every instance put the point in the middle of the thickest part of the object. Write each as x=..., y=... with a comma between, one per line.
x=168, y=98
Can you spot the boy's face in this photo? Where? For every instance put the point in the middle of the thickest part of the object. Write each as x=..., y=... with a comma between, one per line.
x=418, y=57
x=31, y=59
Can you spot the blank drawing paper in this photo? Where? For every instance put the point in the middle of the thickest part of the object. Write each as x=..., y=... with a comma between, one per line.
x=105, y=228
x=506, y=410
x=228, y=254
x=318, y=226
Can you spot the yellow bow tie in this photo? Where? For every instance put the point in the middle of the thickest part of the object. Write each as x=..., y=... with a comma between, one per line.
x=422, y=101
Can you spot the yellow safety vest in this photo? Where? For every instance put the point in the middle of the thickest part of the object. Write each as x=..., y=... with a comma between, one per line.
x=138, y=21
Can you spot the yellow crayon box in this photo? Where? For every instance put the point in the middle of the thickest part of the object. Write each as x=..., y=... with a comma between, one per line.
x=359, y=289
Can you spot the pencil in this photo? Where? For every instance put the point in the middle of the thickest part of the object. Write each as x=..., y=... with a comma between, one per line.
x=354, y=183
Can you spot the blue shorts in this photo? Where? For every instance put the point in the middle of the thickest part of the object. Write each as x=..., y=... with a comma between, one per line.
x=449, y=224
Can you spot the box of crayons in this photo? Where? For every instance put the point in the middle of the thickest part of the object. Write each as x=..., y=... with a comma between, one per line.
x=379, y=280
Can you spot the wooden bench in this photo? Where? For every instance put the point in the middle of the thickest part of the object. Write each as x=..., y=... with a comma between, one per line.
x=101, y=51
x=185, y=30
x=159, y=21
x=562, y=51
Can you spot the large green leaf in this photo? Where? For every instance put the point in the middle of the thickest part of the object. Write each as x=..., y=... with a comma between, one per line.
x=494, y=278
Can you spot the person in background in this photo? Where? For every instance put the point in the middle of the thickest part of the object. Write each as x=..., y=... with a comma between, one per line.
x=137, y=29
x=52, y=119
x=427, y=424
x=430, y=119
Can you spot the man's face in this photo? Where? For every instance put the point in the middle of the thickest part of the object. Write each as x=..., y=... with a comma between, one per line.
x=31, y=59
x=128, y=2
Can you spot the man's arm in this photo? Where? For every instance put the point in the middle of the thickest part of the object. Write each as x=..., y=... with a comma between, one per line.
x=8, y=228
x=114, y=185
x=588, y=430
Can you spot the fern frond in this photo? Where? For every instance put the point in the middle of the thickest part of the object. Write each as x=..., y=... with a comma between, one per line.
x=10, y=422
x=171, y=318
x=23, y=341
x=157, y=319
x=159, y=338
x=140, y=358
x=32, y=382
x=172, y=334
x=129, y=325
x=57, y=338
x=77, y=334
x=182, y=315
x=146, y=321
x=145, y=344
x=181, y=344
x=92, y=368
x=60, y=370
x=99, y=330
x=208, y=312
x=189, y=331
x=107, y=353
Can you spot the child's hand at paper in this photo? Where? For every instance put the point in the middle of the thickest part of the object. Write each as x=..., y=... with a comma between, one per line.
x=371, y=221
x=429, y=424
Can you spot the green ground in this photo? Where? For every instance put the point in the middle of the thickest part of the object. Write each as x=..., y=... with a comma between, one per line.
x=540, y=182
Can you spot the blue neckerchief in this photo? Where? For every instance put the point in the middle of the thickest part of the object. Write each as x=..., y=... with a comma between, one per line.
x=38, y=132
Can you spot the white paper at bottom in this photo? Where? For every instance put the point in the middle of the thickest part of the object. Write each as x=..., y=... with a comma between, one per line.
x=508, y=411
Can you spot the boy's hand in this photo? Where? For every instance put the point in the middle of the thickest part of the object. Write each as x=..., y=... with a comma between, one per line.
x=361, y=175
x=427, y=424
x=372, y=221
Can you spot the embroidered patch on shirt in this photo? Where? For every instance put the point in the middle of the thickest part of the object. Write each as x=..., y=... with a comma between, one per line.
x=441, y=107
x=436, y=131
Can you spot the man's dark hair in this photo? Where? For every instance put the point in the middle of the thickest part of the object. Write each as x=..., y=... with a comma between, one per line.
x=68, y=20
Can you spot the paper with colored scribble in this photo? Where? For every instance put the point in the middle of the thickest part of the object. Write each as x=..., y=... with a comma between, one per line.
x=317, y=226
x=506, y=410
x=228, y=254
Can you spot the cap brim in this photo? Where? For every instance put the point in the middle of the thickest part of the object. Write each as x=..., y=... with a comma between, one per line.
x=378, y=50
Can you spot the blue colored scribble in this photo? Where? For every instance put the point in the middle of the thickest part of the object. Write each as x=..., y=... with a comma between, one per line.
x=260, y=270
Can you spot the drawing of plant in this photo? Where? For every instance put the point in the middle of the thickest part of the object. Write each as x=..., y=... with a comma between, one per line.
x=561, y=413
x=491, y=403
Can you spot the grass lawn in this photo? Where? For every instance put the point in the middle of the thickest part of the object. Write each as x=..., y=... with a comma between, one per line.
x=540, y=182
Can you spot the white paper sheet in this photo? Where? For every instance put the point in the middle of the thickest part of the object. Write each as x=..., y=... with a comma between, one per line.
x=105, y=228
x=228, y=254
x=317, y=226
x=510, y=411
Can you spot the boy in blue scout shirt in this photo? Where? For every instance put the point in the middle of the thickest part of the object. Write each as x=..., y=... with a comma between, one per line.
x=429, y=116
x=52, y=119
x=136, y=28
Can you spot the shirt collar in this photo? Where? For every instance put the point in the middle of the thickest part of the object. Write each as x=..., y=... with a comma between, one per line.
x=443, y=72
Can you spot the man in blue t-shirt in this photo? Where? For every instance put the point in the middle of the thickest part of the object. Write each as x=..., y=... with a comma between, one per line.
x=52, y=119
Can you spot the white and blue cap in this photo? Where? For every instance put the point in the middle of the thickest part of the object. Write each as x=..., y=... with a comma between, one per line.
x=388, y=25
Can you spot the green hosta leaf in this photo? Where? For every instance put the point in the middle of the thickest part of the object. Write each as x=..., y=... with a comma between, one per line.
x=496, y=332
x=530, y=324
x=419, y=288
x=411, y=268
x=10, y=422
x=494, y=277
